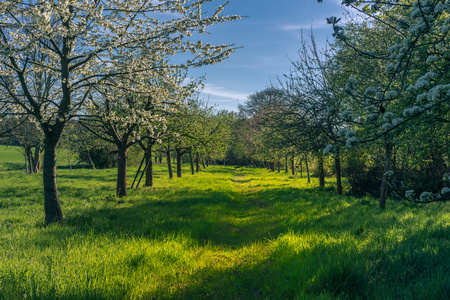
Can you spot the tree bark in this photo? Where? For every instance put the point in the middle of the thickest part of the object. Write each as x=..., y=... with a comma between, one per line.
x=203, y=163
x=279, y=166
x=149, y=164
x=28, y=160
x=197, y=162
x=292, y=166
x=287, y=167
x=191, y=158
x=169, y=163
x=121, y=187
x=307, y=168
x=37, y=158
x=387, y=168
x=52, y=205
x=91, y=163
x=25, y=155
x=337, y=164
x=179, y=162
x=321, y=171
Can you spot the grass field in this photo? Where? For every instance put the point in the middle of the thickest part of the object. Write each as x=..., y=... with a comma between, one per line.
x=12, y=158
x=225, y=233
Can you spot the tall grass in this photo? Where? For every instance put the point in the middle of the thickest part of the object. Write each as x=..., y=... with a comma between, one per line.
x=224, y=233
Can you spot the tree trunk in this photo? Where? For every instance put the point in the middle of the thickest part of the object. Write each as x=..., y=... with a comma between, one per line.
x=28, y=160
x=191, y=158
x=169, y=163
x=387, y=168
x=121, y=188
x=287, y=167
x=37, y=159
x=25, y=155
x=197, y=162
x=337, y=164
x=321, y=171
x=307, y=168
x=179, y=162
x=52, y=206
x=272, y=166
x=292, y=166
x=91, y=163
x=203, y=163
x=149, y=164
x=279, y=166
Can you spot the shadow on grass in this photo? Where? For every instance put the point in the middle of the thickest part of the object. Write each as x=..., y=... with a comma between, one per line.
x=12, y=166
x=230, y=219
x=414, y=266
x=216, y=217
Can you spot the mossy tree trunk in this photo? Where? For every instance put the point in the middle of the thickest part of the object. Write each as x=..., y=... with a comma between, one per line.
x=191, y=159
x=169, y=162
x=52, y=206
x=197, y=162
x=121, y=187
x=292, y=166
x=179, y=162
x=149, y=164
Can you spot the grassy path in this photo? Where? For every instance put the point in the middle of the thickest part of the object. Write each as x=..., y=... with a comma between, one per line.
x=225, y=233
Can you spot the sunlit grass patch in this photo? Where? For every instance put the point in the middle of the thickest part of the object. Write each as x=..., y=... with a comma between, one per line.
x=223, y=233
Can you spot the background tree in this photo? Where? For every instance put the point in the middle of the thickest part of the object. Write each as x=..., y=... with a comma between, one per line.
x=23, y=132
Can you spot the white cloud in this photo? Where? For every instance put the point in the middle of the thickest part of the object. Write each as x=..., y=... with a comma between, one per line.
x=314, y=24
x=219, y=91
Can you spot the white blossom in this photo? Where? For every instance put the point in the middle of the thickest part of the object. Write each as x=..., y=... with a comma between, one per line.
x=347, y=115
x=328, y=149
x=411, y=111
x=425, y=196
x=351, y=141
x=370, y=90
x=409, y=194
x=397, y=121
x=391, y=95
x=388, y=116
x=445, y=190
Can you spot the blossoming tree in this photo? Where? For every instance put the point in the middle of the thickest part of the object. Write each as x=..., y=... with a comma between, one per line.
x=71, y=46
x=412, y=94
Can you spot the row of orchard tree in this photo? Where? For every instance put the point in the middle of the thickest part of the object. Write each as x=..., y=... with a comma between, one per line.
x=377, y=99
x=194, y=130
x=119, y=68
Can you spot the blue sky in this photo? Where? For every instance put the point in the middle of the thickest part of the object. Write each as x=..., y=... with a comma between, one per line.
x=270, y=37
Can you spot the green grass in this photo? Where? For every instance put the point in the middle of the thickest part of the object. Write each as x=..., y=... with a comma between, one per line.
x=225, y=233
x=12, y=158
